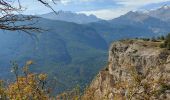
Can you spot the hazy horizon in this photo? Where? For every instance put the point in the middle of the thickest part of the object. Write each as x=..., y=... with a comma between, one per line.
x=100, y=8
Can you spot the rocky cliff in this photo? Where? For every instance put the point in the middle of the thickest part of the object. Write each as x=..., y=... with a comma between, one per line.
x=136, y=70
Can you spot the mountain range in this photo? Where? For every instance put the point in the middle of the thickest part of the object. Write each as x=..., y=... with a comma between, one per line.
x=74, y=48
x=135, y=24
x=162, y=13
x=71, y=17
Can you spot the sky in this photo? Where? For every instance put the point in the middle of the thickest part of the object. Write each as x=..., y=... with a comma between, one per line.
x=105, y=9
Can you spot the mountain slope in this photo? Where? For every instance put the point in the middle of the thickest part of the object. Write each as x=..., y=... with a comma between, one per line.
x=67, y=52
x=20, y=47
x=131, y=25
x=162, y=13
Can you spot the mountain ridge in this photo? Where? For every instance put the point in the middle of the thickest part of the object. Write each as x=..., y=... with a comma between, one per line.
x=131, y=25
x=69, y=16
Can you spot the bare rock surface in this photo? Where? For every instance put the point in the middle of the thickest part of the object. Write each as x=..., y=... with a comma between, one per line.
x=136, y=70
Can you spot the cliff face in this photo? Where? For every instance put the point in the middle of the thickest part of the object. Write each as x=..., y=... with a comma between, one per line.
x=136, y=70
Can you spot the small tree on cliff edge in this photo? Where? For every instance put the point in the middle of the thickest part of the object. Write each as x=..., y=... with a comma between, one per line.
x=166, y=43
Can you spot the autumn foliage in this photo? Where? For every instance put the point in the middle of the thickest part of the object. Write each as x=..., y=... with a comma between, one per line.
x=31, y=86
x=27, y=87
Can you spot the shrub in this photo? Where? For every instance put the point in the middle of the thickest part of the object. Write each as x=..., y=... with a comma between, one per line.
x=162, y=37
x=30, y=86
x=162, y=46
x=145, y=39
x=153, y=39
x=166, y=43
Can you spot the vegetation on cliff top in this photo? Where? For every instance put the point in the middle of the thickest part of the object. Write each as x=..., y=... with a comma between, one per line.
x=166, y=43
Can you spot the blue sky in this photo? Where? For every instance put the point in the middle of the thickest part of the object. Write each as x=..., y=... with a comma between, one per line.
x=105, y=9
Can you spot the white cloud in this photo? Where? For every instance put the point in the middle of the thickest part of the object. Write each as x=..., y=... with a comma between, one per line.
x=65, y=2
x=123, y=2
x=138, y=2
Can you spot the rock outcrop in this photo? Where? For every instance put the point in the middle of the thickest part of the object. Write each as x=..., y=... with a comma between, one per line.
x=136, y=70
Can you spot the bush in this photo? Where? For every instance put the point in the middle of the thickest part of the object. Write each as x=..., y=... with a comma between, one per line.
x=166, y=43
x=145, y=39
x=162, y=46
x=153, y=39
x=162, y=37
x=28, y=86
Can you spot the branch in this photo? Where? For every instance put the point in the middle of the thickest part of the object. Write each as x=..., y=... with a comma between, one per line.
x=11, y=19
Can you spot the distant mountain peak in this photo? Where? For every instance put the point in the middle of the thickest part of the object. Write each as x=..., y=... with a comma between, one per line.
x=165, y=7
x=162, y=13
x=69, y=16
x=136, y=16
x=143, y=11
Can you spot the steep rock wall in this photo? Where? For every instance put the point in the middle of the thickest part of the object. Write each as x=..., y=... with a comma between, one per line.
x=136, y=70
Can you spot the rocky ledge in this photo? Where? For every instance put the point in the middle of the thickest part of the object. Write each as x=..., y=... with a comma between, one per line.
x=136, y=70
